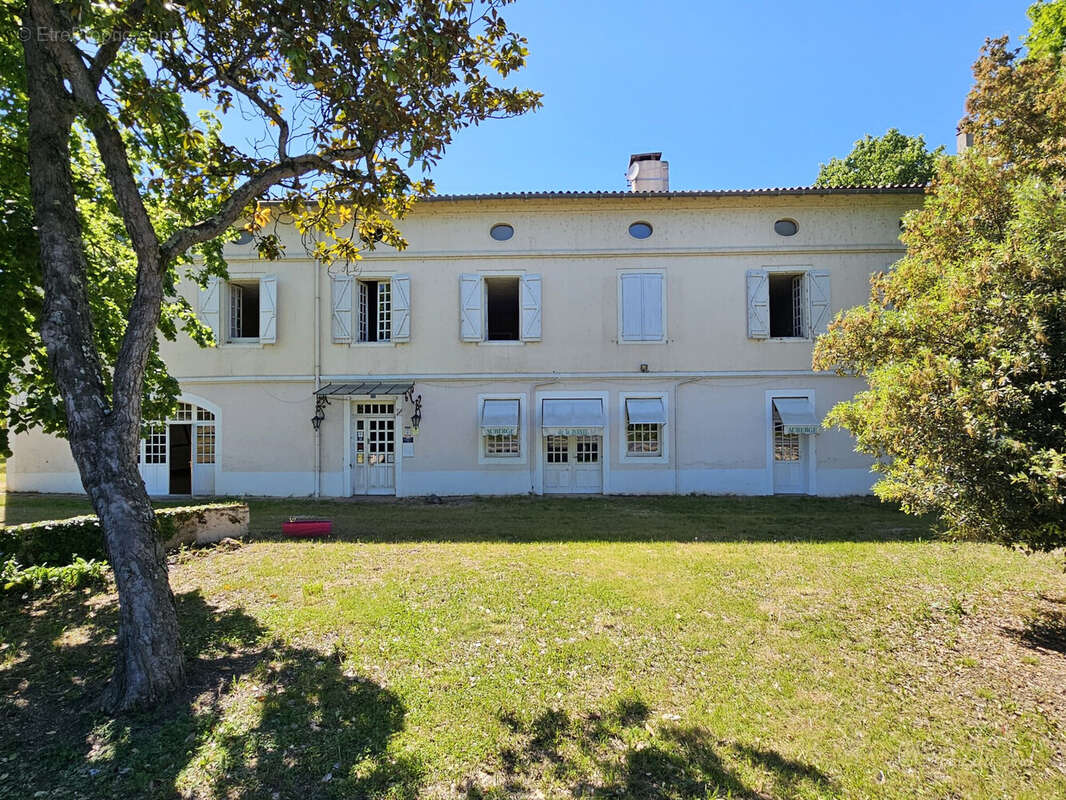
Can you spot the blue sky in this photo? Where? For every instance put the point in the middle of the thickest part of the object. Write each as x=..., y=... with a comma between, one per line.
x=735, y=94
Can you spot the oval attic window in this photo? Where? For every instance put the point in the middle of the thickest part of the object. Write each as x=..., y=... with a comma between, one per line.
x=640, y=230
x=501, y=232
x=786, y=227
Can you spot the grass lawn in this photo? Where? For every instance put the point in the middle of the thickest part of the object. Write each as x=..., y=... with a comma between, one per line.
x=628, y=647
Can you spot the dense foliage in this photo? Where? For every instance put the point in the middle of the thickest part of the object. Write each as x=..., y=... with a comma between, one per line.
x=876, y=161
x=77, y=575
x=1047, y=35
x=964, y=340
x=29, y=396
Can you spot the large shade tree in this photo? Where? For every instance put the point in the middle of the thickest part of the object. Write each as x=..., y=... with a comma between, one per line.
x=358, y=98
x=964, y=340
x=29, y=397
x=1047, y=34
x=879, y=160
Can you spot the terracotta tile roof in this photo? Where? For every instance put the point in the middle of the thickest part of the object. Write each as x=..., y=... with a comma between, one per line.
x=776, y=191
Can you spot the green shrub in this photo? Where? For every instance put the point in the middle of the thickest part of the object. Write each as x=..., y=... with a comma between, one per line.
x=60, y=541
x=80, y=573
x=54, y=541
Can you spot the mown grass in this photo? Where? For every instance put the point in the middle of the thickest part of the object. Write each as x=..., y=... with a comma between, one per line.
x=625, y=647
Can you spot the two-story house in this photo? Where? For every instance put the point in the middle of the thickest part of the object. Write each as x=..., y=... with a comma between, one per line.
x=575, y=342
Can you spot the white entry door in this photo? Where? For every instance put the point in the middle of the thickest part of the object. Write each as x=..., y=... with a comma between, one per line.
x=155, y=462
x=791, y=460
x=373, y=448
x=573, y=465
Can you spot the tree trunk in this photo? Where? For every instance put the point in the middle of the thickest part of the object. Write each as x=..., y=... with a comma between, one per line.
x=150, y=663
x=103, y=435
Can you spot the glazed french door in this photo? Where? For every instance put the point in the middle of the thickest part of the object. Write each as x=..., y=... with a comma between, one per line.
x=373, y=448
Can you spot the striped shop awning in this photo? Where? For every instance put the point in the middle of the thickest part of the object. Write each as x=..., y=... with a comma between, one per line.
x=368, y=388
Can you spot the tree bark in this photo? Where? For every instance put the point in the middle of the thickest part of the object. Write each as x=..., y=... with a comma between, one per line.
x=150, y=663
x=103, y=435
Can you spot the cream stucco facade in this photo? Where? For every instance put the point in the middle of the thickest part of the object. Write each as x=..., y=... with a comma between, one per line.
x=681, y=319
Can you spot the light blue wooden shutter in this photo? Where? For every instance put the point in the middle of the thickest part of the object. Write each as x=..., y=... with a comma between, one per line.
x=632, y=308
x=268, y=309
x=401, y=308
x=470, y=316
x=209, y=308
x=820, y=299
x=531, y=309
x=341, y=308
x=758, y=293
x=651, y=315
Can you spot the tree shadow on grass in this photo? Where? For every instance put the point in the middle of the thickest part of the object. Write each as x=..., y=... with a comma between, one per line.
x=259, y=719
x=622, y=752
x=1047, y=629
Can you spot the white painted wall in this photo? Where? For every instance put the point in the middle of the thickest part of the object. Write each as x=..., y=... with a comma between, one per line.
x=715, y=377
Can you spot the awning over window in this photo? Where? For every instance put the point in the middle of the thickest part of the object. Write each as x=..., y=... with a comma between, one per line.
x=645, y=411
x=499, y=418
x=364, y=389
x=796, y=415
x=566, y=417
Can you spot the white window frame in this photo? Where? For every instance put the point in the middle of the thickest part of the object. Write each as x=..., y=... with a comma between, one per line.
x=660, y=271
x=356, y=313
x=805, y=272
x=623, y=428
x=357, y=321
x=227, y=308
x=813, y=325
x=523, y=430
x=223, y=338
x=485, y=276
x=768, y=432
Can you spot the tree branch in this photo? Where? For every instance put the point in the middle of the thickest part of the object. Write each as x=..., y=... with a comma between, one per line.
x=267, y=108
x=145, y=307
x=106, y=53
x=108, y=139
x=251, y=189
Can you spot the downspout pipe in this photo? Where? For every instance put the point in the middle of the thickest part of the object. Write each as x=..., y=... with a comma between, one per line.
x=317, y=369
x=673, y=436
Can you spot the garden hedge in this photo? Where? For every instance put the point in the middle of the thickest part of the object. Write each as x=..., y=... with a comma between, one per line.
x=60, y=541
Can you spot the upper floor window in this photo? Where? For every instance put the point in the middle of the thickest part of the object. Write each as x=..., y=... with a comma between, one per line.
x=381, y=311
x=499, y=308
x=241, y=310
x=641, y=306
x=375, y=311
x=787, y=303
x=788, y=314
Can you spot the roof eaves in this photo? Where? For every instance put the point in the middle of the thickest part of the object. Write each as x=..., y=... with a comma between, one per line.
x=775, y=191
